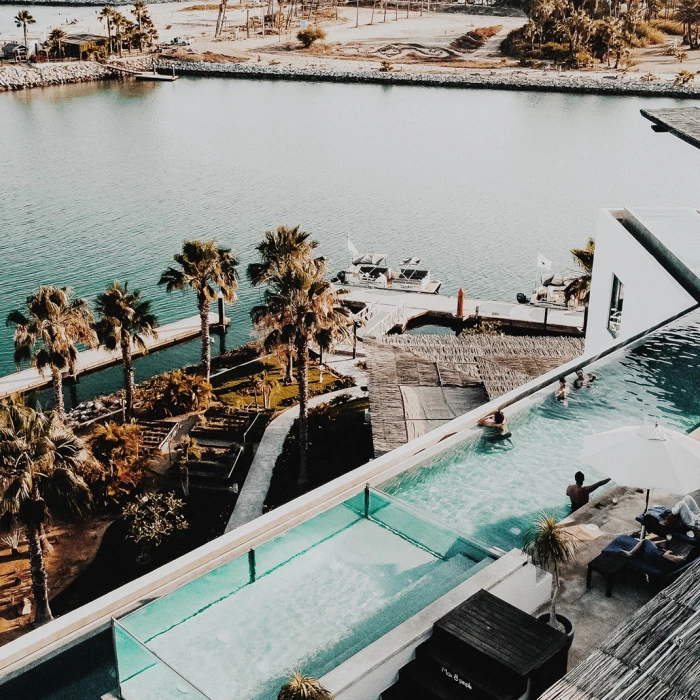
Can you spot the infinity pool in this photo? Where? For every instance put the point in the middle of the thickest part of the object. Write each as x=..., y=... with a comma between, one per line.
x=491, y=492
x=308, y=599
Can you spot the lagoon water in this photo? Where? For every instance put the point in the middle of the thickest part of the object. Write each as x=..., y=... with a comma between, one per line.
x=104, y=181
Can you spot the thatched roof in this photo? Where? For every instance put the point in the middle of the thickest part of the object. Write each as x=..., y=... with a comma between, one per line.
x=655, y=655
x=467, y=371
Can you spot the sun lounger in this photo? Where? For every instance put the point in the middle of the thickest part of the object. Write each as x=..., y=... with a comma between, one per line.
x=653, y=524
x=656, y=568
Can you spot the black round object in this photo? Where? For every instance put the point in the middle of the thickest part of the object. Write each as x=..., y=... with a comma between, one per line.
x=568, y=626
x=522, y=299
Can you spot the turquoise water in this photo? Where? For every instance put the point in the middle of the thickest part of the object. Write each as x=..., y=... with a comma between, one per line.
x=107, y=180
x=492, y=492
x=314, y=597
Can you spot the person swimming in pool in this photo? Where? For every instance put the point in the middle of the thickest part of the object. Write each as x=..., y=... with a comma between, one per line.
x=583, y=379
x=498, y=423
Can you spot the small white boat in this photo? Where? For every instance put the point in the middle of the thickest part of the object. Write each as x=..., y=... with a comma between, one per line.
x=371, y=270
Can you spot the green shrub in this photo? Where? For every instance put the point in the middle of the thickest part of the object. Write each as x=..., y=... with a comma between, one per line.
x=311, y=34
x=668, y=26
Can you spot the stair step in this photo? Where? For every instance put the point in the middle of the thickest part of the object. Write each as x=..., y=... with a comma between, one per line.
x=414, y=685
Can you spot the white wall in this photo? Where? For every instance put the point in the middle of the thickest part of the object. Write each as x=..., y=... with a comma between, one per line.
x=651, y=295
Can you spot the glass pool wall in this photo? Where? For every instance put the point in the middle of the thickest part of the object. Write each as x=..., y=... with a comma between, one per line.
x=308, y=599
x=492, y=491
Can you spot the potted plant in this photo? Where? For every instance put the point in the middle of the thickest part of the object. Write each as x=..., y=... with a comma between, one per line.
x=549, y=545
x=300, y=687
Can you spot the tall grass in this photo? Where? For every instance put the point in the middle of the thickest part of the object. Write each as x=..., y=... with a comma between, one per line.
x=668, y=26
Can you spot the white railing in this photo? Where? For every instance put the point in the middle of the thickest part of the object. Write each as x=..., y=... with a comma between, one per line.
x=384, y=325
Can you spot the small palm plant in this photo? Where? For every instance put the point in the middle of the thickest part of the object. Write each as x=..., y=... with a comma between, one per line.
x=56, y=37
x=300, y=687
x=580, y=288
x=550, y=546
x=202, y=266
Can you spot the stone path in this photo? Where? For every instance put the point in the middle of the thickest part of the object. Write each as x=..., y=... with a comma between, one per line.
x=252, y=497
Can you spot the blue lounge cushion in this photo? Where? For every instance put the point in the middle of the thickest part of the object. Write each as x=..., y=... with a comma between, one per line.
x=650, y=560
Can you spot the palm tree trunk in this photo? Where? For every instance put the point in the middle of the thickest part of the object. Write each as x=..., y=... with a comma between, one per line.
x=206, y=343
x=289, y=377
x=57, y=381
x=128, y=367
x=46, y=546
x=26, y=45
x=555, y=593
x=303, y=378
x=40, y=581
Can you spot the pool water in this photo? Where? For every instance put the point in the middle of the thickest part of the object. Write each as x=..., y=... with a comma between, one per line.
x=491, y=492
x=312, y=598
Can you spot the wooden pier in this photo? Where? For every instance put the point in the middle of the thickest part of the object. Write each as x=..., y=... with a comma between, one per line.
x=383, y=311
x=99, y=358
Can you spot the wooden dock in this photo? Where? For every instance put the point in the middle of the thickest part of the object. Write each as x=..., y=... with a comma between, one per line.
x=383, y=311
x=99, y=358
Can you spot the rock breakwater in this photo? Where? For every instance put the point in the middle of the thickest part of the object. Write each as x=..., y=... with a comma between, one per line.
x=520, y=80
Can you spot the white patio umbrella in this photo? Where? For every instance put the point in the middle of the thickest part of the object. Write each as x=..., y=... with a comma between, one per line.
x=647, y=457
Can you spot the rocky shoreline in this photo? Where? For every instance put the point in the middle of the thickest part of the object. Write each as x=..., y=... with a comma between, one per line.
x=22, y=77
x=42, y=75
x=472, y=80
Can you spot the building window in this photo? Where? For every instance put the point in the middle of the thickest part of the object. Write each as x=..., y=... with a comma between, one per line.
x=617, y=297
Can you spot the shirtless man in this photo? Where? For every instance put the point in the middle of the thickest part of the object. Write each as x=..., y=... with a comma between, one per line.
x=563, y=390
x=579, y=494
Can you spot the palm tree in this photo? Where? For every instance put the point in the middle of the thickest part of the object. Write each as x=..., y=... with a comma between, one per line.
x=125, y=321
x=300, y=687
x=106, y=14
x=580, y=288
x=55, y=321
x=688, y=14
x=299, y=303
x=23, y=19
x=202, y=265
x=56, y=37
x=550, y=546
x=41, y=460
x=119, y=22
x=140, y=11
x=276, y=250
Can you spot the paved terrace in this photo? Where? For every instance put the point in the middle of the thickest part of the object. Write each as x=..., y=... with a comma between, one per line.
x=437, y=306
x=98, y=358
x=593, y=615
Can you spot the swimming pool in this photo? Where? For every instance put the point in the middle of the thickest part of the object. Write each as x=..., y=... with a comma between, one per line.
x=308, y=599
x=492, y=492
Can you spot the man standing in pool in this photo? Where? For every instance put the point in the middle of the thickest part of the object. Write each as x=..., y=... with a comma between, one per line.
x=579, y=494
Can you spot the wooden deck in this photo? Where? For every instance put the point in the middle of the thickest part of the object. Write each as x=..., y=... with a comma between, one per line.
x=91, y=360
x=682, y=122
x=390, y=310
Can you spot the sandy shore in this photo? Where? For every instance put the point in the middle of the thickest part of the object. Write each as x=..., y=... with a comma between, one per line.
x=421, y=43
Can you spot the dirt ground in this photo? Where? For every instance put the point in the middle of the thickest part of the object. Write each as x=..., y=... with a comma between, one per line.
x=74, y=547
x=419, y=43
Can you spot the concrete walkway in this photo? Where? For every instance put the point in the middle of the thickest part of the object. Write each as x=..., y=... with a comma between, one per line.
x=90, y=360
x=252, y=497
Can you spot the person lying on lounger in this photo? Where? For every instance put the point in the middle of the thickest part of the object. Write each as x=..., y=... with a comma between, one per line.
x=646, y=549
x=684, y=515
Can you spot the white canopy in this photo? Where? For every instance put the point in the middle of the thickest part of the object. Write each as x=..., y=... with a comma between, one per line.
x=647, y=456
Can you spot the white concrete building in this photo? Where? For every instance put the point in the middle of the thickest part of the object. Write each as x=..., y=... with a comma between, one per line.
x=643, y=272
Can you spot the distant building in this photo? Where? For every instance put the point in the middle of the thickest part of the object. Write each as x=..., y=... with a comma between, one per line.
x=14, y=52
x=83, y=46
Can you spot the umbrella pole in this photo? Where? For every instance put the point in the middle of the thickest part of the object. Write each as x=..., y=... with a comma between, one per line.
x=643, y=533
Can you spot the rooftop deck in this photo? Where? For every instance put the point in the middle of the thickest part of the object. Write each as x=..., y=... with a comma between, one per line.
x=98, y=358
